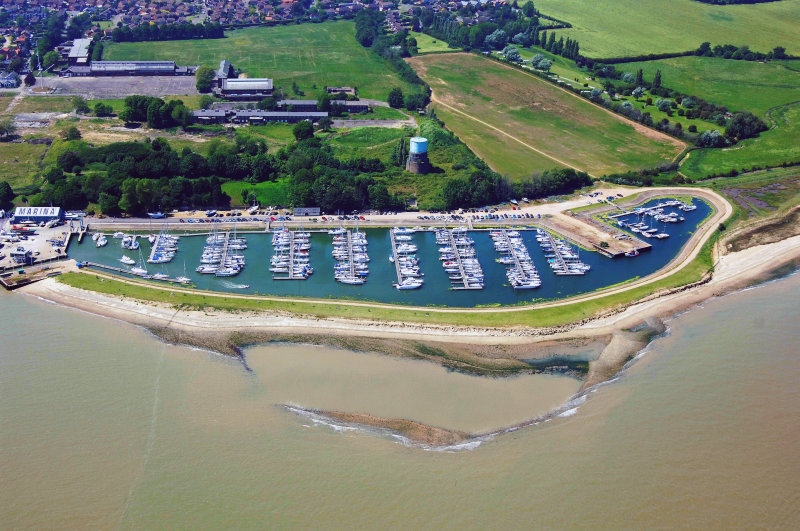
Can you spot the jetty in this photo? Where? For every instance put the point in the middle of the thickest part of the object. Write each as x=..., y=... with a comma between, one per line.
x=521, y=273
x=350, y=252
x=290, y=260
x=458, y=259
x=405, y=260
x=562, y=260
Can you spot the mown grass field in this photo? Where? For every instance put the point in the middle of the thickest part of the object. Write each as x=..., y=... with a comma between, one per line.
x=739, y=85
x=428, y=44
x=20, y=162
x=770, y=148
x=5, y=100
x=564, y=128
x=611, y=28
x=308, y=54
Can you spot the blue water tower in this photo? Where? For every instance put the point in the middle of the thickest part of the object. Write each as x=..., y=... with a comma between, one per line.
x=418, y=155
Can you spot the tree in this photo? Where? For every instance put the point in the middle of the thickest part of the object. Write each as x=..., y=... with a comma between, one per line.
x=80, y=105
x=206, y=101
x=204, y=78
x=267, y=104
x=303, y=130
x=638, y=92
x=6, y=195
x=416, y=101
x=528, y=9
x=400, y=153
x=663, y=105
x=50, y=59
x=396, y=99
x=512, y=54
x=325, y=123
x=30, y=79
x=712, y=139
x=596, y=95
x=101, y=109
x=628, y=77
x=7, y=127
x=657, y=79
x=71, y=133
x=744, y=125
x=639, y=78
x=779, y=52
x=497, y=39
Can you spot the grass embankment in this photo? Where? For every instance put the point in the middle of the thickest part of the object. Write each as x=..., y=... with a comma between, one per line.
x=558, y=127
x=268, y=193
x=308, y=54
x=612, y=28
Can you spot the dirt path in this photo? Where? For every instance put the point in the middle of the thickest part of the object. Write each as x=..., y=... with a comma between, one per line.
x=436, y=100
x=15, y=101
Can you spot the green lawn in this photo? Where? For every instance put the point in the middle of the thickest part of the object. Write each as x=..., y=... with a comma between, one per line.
x=268, y=193
x=20, y=162
x=771, y=148
x=308, y=54
x=428, y=44
x=563, y=127
x=610, y=28
x=740, y=85
x=378, y=113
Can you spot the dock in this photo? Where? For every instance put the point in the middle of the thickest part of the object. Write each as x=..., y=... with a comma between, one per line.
x=458, y=252
x=396, y=256
x=294, y=244
x=560, y=265
x=521, y=274
x=116, y=269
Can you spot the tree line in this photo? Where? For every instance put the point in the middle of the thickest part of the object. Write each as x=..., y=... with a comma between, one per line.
x=168, y=32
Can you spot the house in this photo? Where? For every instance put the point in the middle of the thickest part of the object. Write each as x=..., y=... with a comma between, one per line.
x=9, y=80
x=298, y=105
x=257, y=117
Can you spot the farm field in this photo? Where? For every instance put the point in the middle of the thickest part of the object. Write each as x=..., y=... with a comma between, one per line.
x=612, y=28
x=19, y=162
x=552, y=127
x=770, y=148
x=739, y=85
x=307, y=54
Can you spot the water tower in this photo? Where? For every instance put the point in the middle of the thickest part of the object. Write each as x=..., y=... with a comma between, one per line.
x=418, y=156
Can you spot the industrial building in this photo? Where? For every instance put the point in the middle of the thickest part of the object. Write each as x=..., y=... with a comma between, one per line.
x=129, y=68
x=79, y=52
x=225, y=71
x=37, y=214
x=245, y=89
x=254, y=116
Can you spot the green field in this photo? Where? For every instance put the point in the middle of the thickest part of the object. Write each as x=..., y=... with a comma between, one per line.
x=428, y=44
x=489, y=103
x=770, y=148
x=268, y=193
x=611, y=28
x=739, y=85
x=20, y=162
x=308, y=54
x=5, y=100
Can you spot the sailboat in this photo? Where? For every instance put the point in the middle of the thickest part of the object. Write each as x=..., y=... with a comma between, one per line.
x=140, y=269
x=184, y=279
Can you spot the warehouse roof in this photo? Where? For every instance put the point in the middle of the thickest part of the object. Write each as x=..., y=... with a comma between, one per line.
x=80, y=48
x=136, y=66
x=247, y=84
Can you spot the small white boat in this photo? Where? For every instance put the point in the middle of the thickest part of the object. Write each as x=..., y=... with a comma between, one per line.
x=184, y=280
x=127, y=261
x=138, y=271
x=102, y=241
x=95, y=236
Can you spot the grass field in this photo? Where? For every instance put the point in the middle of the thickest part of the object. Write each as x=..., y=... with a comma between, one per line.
x=428, y=44
x=770, y=148
x=610, y=28
x=5, y=100
x=44, y=104
x=740, y=85
x=564, y=128
x=20, y=162
x=268, y=193
x=308, y=54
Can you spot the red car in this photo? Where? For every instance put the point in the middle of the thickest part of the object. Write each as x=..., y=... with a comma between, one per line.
x=272, y=219
x=362, y=218
x=324, y=218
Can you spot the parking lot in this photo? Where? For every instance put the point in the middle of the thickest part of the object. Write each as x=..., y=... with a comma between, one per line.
x=114, y=87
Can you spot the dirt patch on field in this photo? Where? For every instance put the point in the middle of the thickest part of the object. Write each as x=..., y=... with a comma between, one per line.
x=751, y=199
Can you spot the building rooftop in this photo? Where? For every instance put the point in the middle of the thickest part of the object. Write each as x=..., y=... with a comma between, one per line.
x=247, y=84
x=124, y=66
x=80, y=48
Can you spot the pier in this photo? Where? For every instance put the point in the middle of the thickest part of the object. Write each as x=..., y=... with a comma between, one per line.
x=224, y=255
x=458, y=257
x=558, y=263
x=396, y=256
x=292, y=271
x=116, y=269
x=522, y=274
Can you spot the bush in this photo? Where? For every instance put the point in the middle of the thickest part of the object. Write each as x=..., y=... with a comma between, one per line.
x=395, y=98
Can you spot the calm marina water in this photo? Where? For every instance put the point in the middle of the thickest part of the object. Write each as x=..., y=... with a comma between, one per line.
x=103, y=426
x=605, y=272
